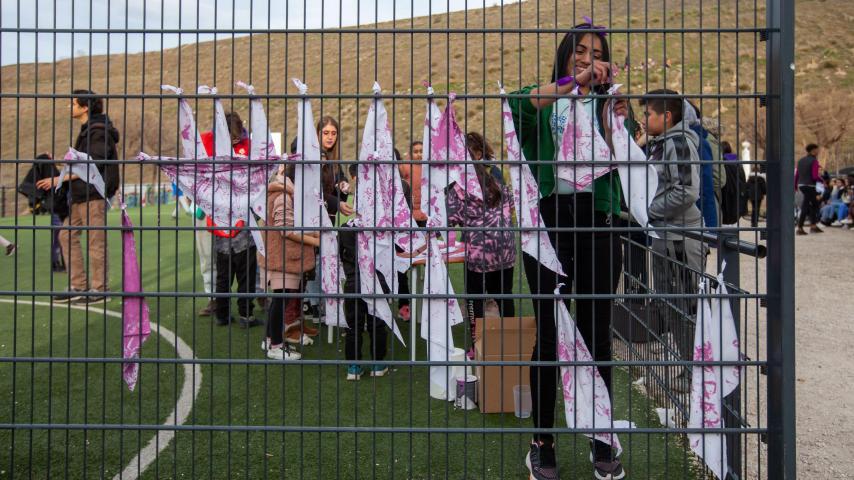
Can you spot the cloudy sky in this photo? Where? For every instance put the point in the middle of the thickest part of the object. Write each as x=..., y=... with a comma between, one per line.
x=26, y=47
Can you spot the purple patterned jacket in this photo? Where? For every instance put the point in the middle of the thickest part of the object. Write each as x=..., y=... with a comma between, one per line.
x=486, y=251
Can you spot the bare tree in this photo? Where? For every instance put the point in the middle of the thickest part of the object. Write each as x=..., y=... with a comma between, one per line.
x=826, y=119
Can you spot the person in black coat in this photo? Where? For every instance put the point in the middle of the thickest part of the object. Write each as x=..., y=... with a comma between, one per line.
x=98, y=138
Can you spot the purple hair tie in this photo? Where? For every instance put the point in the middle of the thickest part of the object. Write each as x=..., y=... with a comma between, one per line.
x=565, y=80
x=589, y=21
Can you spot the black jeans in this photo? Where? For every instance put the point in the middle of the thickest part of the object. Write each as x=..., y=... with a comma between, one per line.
x=242, y=267
x=809, y=205
x=592, y=262
x=356, y=314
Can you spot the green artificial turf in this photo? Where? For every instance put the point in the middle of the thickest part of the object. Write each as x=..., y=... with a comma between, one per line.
x=275, y=395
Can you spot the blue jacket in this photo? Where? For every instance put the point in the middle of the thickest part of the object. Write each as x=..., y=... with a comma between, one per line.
x=706, y=202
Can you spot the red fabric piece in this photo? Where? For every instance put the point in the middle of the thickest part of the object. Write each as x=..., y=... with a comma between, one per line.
x=241, y=148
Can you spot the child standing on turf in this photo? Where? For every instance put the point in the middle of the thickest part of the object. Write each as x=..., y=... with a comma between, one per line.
x=490, y=254
x=289, y=255
x=356, y=310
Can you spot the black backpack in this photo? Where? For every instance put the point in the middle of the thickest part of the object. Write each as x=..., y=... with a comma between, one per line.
x=733, y=193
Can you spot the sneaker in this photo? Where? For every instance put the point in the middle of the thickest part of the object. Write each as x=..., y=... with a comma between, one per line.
x=404, y=313
x=295, y=337
x=846, y=221
x=354, y=372
x=71, y=295
x=92, y=299
x=837, y=223
x=264, y=345
x=470, y=353
x=815, y=229
x=250, y=321
x=223, y=321
x=800, y=231
x=310, y=311
x=283, y=352
x=10, y=249
x=541, y=462
x=378, y=370
x=208, y=309
x=612, y=470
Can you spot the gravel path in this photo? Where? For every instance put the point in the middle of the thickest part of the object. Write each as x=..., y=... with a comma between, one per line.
x=825, y=332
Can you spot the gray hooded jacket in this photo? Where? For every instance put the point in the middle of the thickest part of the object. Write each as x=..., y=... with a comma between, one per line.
x=675, y=200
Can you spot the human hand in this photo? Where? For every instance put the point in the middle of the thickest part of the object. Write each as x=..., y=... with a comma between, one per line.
x=344, y=187
x=47, y=183
x=345, y=209
x=597, y=72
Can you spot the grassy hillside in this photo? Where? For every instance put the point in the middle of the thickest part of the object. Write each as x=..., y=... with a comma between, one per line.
x=335, y=62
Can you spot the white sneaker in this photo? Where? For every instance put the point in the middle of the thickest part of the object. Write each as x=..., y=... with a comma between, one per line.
x=264, y=345
x=846, y=221
x=283, y=353
x=836, y=224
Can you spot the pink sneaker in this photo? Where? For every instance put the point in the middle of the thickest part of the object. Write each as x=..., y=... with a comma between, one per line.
x=470, y=353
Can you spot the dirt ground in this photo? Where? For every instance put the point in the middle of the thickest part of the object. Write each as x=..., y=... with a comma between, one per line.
x=825, y=373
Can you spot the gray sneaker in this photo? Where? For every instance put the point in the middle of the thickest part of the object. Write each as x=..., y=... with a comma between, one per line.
x=541, y=462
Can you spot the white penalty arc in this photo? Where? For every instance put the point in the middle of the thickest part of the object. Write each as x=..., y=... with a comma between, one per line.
x=190, y=388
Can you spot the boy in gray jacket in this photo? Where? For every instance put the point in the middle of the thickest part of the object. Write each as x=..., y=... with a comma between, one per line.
x=673, y=149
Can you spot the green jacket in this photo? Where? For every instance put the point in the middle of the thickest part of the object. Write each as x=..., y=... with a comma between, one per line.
x=535, y=136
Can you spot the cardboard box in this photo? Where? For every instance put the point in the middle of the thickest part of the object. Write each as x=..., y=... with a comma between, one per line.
x=502, y=339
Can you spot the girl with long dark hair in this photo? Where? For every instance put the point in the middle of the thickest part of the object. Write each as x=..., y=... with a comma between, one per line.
x=490, y=254
x=591, y=259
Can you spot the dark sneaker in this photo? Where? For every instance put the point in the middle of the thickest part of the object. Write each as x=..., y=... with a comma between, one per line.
x=10, y=249
x=208, y=309
x=250, y=321
x=816, y=229
x=67, y=297
x=92, y=299
x=612, y=470
x=223, y=321
x=541, y=462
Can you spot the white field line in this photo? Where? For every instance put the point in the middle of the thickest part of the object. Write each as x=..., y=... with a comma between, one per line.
x=189, y=391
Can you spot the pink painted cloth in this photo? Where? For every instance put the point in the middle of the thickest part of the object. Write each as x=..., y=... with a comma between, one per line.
x=375, y=209
x=448, y=144
x=310, y=210
x=135, y=322
x=227, y=192
x=583, y=155
x=637, y=177
x=715, y=340
x=526, y=199
x=586, y=401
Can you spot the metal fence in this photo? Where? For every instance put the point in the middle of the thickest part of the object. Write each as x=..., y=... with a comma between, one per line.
x=484, y=356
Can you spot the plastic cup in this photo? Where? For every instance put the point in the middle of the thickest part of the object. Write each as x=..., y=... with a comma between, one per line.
x=522, y=401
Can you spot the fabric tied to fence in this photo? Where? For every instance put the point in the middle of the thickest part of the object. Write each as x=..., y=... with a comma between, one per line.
x=135, y=321
x=375, y=208
x=438, y=315
x=310, y=209
x=637, y=177
x=231, y=190
x=583, y=155
x=82, y=165
x=580, y=384
x=715, y=340
x=526, y=198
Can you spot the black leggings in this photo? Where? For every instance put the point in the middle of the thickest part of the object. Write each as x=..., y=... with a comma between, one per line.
x=592, y=261
x=281, y=311
x=493, y=283
x=242, y=267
